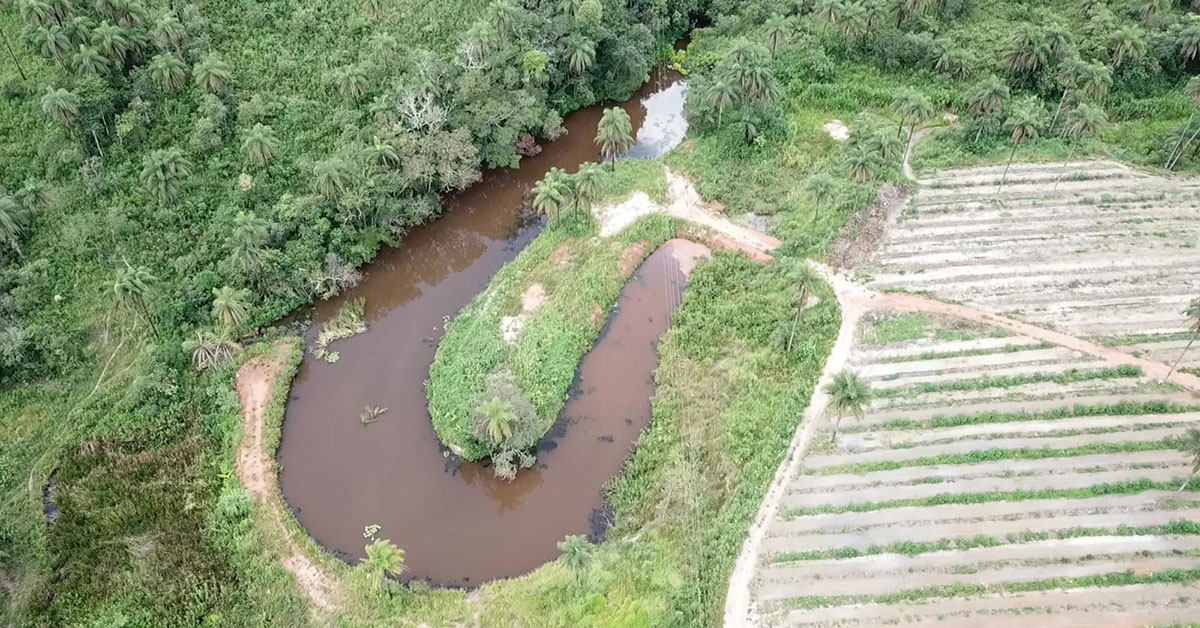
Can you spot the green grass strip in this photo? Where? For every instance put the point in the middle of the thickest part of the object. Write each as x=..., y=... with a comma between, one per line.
x=913, y=548
x=997, y=453
x=1113, y=579
x=965, y=353
x=1130, y=487
x=1079, y=410
x=1011, y=381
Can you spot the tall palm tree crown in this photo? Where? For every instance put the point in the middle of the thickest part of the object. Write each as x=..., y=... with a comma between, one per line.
x=230, y=306
x=162, y=171
x=212, y=74
x=614, y=134
x=60, y=105
x=260, y=145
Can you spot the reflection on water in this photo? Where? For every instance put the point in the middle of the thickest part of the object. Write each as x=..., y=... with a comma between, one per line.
x=458, y=524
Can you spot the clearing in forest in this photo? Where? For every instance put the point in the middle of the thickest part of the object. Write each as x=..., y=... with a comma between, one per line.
x=996, y=476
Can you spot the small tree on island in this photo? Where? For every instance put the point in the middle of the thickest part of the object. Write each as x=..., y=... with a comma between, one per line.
x=383, y=558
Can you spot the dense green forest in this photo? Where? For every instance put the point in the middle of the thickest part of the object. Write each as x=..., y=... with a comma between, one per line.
x=175, y=176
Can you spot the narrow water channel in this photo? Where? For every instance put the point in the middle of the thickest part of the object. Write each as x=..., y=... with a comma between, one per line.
x=458, y=524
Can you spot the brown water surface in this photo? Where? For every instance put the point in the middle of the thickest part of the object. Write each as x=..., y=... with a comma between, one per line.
x=458, y=524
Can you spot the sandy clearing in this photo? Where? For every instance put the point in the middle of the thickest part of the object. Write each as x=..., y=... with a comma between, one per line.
x=837, y=130
x=921, y=531
x=872, y=585
x=532, y=300
x=1048, y=466
x=1135, y=606
x=685, y=203
x=255, y=383
x=988, y=485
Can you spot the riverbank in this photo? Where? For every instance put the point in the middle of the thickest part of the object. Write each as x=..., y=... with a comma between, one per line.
x=728, y=398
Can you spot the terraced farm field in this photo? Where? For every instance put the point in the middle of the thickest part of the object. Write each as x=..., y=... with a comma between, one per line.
x=1018, y=462
x=1108, y=252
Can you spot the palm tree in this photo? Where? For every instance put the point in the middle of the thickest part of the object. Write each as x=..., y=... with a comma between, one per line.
x=988, y=96
x=777, y=31
x=852, y=22
x=549, y=195
x=585, y=185
x=1151, y=11
x=230, y=306
x=80, y=30
x=37, y=13
x=913, y=106
x=821, y=187
x=577, y=554
x=130, y=289
x=807, y=281
x=1083, y=121
x=1192, y=89
x=1059, y=41
x=247, y=242
x=848, y=394
x=828, y=11
x=383, y=557
x=60, y=105
x=51, y=42
x=111, y=40
x=1126, y=44
x=1192, y=311
x=1189, y=42
x=332, y=177
x=169, y=32
x=88, y=60
x=211, y=348
x=1023, y=124
x=864, y=163
x=381, y=153
x=212, y=74
x=10, y=223
x=908, y=9
x=1027, y=50
x=497, y=418
x=1093, y=80
x=161, y=172
x=581, y=53
x=955, y=62
x=721, y=94
x=1190, y=445
x=614, y=134
x=168, y=71
x=351, y=82
x=260, y=145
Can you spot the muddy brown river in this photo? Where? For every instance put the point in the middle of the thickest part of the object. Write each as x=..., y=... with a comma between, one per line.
x=458, y=524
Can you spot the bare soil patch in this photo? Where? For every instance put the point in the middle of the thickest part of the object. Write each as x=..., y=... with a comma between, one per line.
x=255, y=383
x=837, y=130
x=864, y=231
x=632, y=256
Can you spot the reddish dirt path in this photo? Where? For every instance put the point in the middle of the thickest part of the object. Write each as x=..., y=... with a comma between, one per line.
x=1114, y=357
x=256, y=471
